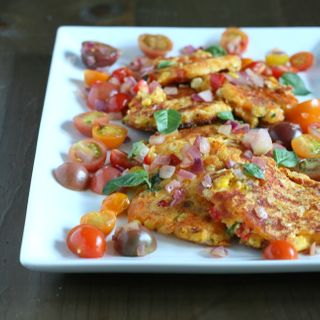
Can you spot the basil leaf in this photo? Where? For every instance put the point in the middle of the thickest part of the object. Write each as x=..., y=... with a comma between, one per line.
x=139, y=150
x=154, y=181
x=225, y=115
x=253, y=170
x=165, y=64
x=167, y=120
x=293, y=80
x=216, y=51
x=131, y=179
x=285, y=158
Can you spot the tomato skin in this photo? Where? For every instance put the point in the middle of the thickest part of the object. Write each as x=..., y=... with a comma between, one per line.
x=216, y=81
x=117, y=202
x=112, y=135
x=154, y=46
x=306, y=146
x=99, y=94
x=234, y=41
x=120, y=160
x=101, y=177
x=304, y=113
x=86, y=241
x=302, y=60
x=88, y=152
x=121, y=73
x=85, y=121
x=93, y=76
x=280, y=250
x=117, y=102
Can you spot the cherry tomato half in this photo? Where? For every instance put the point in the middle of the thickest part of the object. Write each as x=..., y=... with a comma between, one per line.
x=302, y=60
x=98, y=95
x=234, y=41
x=85, y=121
x=105, y=221
x=306, y=146
x=101, y=177
x=154, y=45
x=112, y=135
x=116, y=202
x=120, y=160
x=216, y=81
x=117, y=102
x=121, y=73
x=86, y=241
x=280, y=250
x=304, y=113
x=88, y=152
x=93, y=76
x=276, y=58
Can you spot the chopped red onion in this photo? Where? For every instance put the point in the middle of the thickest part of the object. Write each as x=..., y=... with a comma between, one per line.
x=146, y=70
x=206, y=95
x=171, y=90
x=260, y=162
x=261, y=213
x=146, y=167
x=172, y=185
x=196, y=97
x=193, y=152
x=218, y=252
x=153, y=86
x=197, y=166
x=207, y=181
x=202, y=143
x=186, y=162
x=248, y=154
x=178, y=197
x=241, y=128
x=240, y=79
x=258, y=140
x=156, y=139
x=114, y=81
x=254, y=78
x=166, y=171
x=160, y=161
x=187, y=50
x=230, y=163
x=225, y=129
x=185, y=175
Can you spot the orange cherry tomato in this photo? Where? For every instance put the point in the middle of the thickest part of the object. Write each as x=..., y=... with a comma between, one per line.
x=302, y=60
x=304, y=113
x=245, y=62
x=306, y=146
x=154, y=45
x=280, y=250
x=112, y=135
x=93, y=76
x=234, y=41
x=86, y=241
x=116, y=202
x=103, y=221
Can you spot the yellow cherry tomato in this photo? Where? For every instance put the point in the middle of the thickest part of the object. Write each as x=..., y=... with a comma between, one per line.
x=110, y=134
x=306, y=146
x=277, y=58
x=104, y=221
x=93, y=76
x=117, y=202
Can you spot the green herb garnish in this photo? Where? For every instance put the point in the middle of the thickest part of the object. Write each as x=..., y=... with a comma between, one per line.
x=225, y=115
x=167, y=120
x=154, y=181
x=216, y=51
x=293, y=80
x=165, y=63
x=139, y=149
x=131, y=179
x=231, y=231
x=285, y=158
x=253, y=170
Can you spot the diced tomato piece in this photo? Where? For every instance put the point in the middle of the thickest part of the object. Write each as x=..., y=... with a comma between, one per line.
x=216, y=81
x=120, y=160
x=174, y=160
x=121, y=73
x=99, y=94
x=117, y=102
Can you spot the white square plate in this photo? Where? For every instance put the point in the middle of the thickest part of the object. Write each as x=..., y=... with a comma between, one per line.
x=53, y=210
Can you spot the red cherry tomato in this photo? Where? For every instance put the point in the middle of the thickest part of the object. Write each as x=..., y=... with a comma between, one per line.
x=280, y=250
x=85, y=121
x=98, y=95
x=86, y=241
x=154, y=45
x=278, y=71
x=88, y=152
x=302, y=60
x=234, y=41
x=216, y=81
x=120, y=160
x=101, y=177
x=117, y=102
x=121, y=73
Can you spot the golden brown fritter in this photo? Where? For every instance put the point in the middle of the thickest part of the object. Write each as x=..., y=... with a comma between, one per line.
x=189, y=220
x=184, y=68
x=254, y=104
x=286, y=205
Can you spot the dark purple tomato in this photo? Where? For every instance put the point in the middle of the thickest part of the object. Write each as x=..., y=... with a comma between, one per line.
x=284, y=132
x=98, y=55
